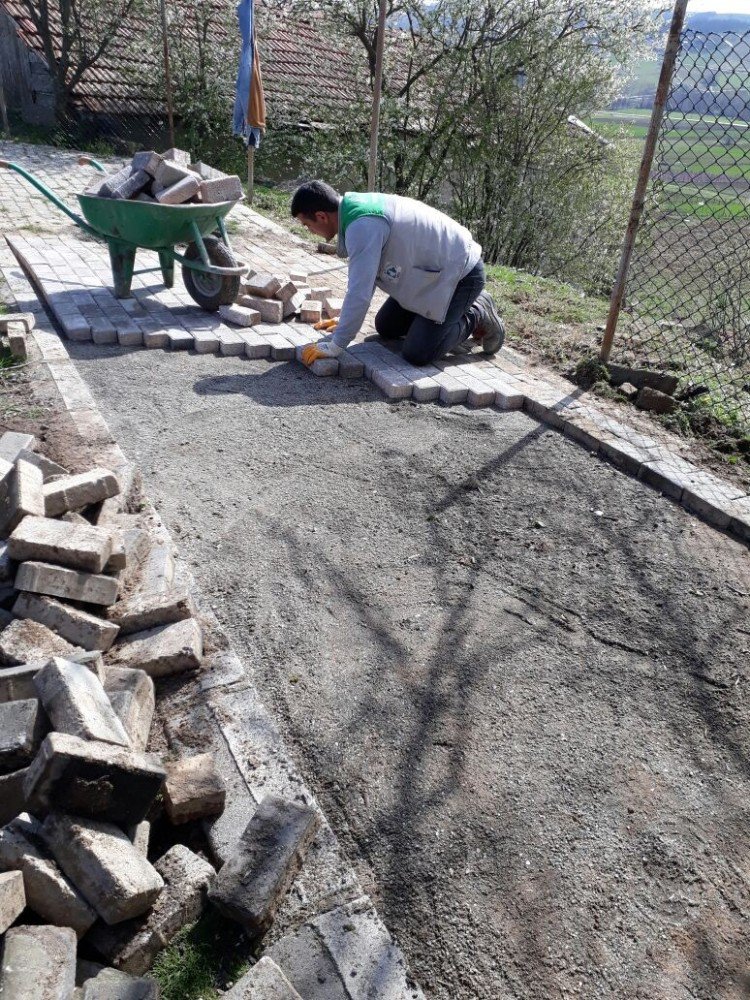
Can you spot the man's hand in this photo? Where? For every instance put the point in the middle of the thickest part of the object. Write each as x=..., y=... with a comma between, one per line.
x=327, y=324
x=323, y=349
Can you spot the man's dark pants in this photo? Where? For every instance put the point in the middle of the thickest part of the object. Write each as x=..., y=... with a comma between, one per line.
x=427, y=341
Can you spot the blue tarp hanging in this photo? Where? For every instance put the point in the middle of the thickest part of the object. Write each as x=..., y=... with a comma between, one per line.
x=248, y=77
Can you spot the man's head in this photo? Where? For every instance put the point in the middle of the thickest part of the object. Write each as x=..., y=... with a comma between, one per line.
x=316, y=206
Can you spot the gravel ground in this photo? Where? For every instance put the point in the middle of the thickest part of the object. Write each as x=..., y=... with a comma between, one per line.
x=514, y=677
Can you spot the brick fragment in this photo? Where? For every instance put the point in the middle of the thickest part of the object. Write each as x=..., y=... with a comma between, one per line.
x=79, y=491
x=97, y=780
x=76, y=545
x=251, y=885
x=76, y=703
x=194, y=788
x=98, y=858
x=39, y=963
x=270, y=310
x=131, y=694
x=25, y=641
x=49, y=892
x=133, y=946
x=167, y=649
x=21, y=494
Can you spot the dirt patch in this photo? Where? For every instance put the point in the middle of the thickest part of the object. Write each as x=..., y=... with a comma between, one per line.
x=515, y=678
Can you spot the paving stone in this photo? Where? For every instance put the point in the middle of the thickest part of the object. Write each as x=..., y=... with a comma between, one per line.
x=110, y=984
x=655, y=401
x=39, y=963
x=28, y=320
x=71, y=584
x=133, y=946
x=25, y=641
x=642, y=377
x=255, y=345
x=286, y=291
x=131, y=693
x=105, y=866
x=344, y=954
x=46, y=465
x=670, y=478
x=14, y=443
x=333, y=306
x=205, y=172
x=167, y=649
x=97, y=780
x=350, y=366
x=263, y=285
x=7, y=566
x=118, y=558
x=180, y=192
x=239, y=315
x=113, y=182
x=157, y=339
x=17, y=341
x=179, y=156
x=193, y=789
x=311, y=311
x=49, y=892
x=145, y=611
x=147, y=160
x=265, y=981
x=156, y=569
x=12, y=898
x=170, y=172
x=231, y=343
x=23, y=726
x=320, y=292
x=205, y=342
x=21, y=495
x=76, y=703
x=76, y=545
x=12, y=798
x=270, y=310
x=252, y=884
x=179, y=339
x=79, y=491
x=140, y=836
x=221, y=189
x=395, y=386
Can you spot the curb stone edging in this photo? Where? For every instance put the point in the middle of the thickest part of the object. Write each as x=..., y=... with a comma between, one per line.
x=221, y=711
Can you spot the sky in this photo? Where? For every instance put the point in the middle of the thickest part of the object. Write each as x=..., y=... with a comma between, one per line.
x=720, y=6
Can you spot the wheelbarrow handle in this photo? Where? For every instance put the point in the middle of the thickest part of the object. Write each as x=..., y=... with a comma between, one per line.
x=89, y=161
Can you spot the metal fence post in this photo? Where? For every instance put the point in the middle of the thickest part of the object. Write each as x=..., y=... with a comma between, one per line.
x=4, y=113
x=636, y=211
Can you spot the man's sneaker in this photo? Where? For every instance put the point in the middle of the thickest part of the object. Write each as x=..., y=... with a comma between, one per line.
x=490, y=331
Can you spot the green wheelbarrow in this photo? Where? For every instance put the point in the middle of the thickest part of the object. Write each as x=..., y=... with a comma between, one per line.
x=210, y=270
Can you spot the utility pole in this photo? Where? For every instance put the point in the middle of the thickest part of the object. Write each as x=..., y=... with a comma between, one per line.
x=639, y=198
x=377, y=88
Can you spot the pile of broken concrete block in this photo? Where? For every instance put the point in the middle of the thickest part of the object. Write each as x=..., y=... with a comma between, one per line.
x=90, y=614
x=169, y=178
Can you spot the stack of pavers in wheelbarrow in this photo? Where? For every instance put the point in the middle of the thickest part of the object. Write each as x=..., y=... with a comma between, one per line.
x=91, y=612
x=169, y=178
x=267, y=305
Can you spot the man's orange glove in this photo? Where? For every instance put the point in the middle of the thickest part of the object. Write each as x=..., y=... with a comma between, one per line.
x=323, y=349
x=326, y=324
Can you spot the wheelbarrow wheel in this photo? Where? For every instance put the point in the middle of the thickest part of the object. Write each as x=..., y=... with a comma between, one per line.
x=211, y=290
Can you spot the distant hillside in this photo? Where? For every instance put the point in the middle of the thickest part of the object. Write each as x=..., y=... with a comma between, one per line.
x=711, y=21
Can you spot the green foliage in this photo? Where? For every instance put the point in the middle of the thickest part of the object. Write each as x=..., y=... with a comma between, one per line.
x=202, y=960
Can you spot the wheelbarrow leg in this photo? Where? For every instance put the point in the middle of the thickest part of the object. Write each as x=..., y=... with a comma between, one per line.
x=122, y=259
x=166, y=262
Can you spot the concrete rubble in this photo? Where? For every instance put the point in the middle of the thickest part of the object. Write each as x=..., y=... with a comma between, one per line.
x=193, y=789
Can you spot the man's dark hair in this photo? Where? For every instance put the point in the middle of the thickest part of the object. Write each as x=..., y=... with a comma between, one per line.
x=315, y=196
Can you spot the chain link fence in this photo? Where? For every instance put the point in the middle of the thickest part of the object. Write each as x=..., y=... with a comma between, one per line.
x=687, y=304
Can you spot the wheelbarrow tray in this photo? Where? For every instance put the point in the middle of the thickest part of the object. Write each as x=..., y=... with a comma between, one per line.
x=150, y=225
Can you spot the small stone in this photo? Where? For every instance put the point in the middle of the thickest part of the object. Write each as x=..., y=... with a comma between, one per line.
x=168, y=649
x=99, y=780
x=12, y=898
x=194, y=788
x=76, y=703
x=25, y=641
x=251, y=885
x=49, y=893
x=98, y=858
x=39, y=963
